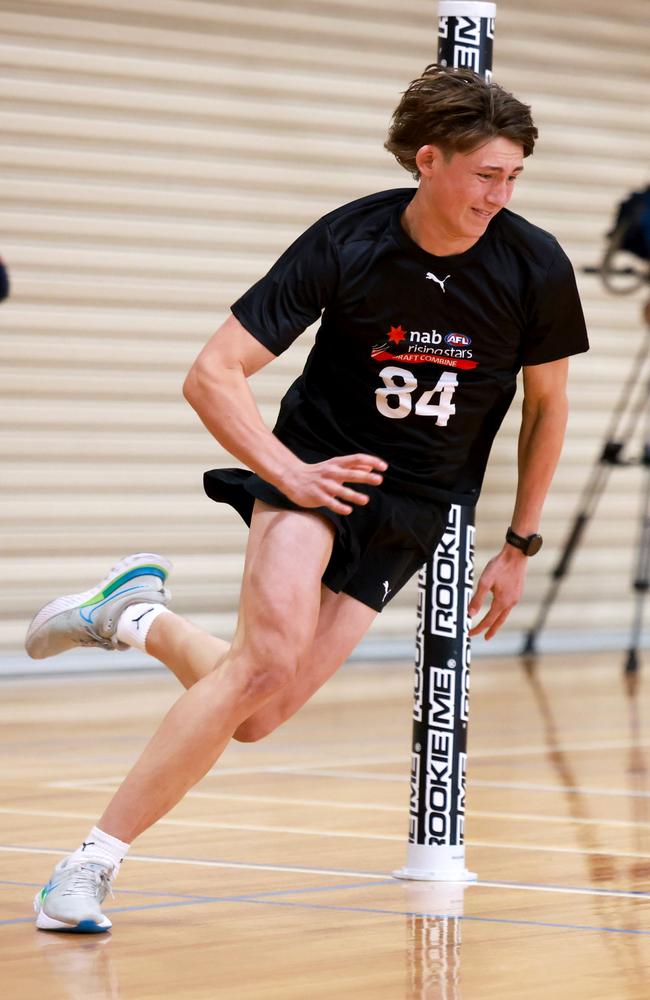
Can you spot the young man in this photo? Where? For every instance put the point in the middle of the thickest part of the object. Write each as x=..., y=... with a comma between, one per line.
x=431, y=299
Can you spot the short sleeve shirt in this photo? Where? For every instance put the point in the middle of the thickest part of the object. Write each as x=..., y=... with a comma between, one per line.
x=416, y=356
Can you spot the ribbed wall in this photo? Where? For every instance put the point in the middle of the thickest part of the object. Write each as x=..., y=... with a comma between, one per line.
x=156, y=158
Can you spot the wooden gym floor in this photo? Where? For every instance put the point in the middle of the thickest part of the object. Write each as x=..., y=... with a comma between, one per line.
x=272, y=879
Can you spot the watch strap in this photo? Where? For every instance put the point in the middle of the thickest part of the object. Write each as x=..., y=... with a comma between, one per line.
x=528, y=544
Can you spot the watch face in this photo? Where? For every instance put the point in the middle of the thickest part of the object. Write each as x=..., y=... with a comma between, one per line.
x=534, y=545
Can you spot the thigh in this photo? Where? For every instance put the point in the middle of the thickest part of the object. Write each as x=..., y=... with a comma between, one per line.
x=281, y=587
x=342, y=623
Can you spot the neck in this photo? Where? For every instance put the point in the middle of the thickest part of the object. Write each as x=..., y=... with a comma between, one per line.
x=429, y=233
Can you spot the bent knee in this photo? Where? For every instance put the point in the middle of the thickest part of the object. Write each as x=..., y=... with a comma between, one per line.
x=265, y=668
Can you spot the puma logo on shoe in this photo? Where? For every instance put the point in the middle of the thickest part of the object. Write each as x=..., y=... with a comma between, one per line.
x=91, y=843
x=439, y=281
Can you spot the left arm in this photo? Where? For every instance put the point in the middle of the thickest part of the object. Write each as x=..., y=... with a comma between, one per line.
x=543, y=423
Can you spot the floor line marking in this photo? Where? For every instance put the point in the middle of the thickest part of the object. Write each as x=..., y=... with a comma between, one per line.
x=345, y=762
x=577, y=746
x=127, y=892
x=213, y=898
x=338, y=834
x=270, y=799
x=462, y=917
x=199, y=824
x=485, y=753
x=539, y=818
x=208, y=863
x=384, y=807
x=339, y=872
x=378, y=911
x=526, y=786
x=529, y=786
x=568, y=890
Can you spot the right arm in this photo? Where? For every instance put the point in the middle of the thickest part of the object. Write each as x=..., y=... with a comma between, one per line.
x=216, y=387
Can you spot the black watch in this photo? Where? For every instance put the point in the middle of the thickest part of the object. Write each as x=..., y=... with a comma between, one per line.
x=529, y=544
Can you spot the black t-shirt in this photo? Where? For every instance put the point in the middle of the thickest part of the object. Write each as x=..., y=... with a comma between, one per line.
x=416, y=357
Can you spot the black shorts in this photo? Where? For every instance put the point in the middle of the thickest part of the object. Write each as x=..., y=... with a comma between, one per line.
x=377, y=548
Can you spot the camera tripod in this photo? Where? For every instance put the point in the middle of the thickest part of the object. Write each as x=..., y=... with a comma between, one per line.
x=633, y=407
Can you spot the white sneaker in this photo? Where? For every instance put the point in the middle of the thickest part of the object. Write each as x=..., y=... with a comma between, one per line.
x=71, y=900
x=90, y=618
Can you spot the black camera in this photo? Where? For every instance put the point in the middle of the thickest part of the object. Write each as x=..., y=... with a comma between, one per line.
x=631, y=235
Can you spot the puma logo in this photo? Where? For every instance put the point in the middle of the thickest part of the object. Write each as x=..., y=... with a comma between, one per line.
x=136, y=621
x=90, y=843
x=439, y=281
x=386, y=591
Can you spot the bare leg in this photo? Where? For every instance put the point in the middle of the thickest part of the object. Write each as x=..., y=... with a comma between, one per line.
x=342, y=623
x=191, y=654
x=188, y=651
x=286, y=556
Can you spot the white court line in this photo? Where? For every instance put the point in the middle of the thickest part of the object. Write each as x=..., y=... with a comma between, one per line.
x=582, y=746
x=538, y=818
x=111, y=784
x=577, y=746
x=286, y=800
x=346, y=762
x=199, y=824
x=529, y=786
x=525, y=786
x=256, y=770
x=300, y=770
x=317, y=769
x=344, y=775
x=556, y=850
x=214, y=864
x=569, y=890
x=344, y=834
x=372, y=806
x=342, y=873
x=85, y=784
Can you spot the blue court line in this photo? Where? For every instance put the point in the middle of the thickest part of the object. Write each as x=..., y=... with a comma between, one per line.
x=264, y=899
x=199, y=898
x=376, y=911
x=133, y=892
x=320, y=888
x=463, y=917
x=187, y=900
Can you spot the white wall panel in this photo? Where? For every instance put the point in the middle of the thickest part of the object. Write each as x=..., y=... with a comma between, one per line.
x=156, y=158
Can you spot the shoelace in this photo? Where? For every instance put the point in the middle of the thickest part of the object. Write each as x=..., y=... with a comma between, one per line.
x=91, y=882
x=94, y=639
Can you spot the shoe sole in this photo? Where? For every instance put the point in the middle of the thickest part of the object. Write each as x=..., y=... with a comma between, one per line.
x=45, y=923
x=117, y=577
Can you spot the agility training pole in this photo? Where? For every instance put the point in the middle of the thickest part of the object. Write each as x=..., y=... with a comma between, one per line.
x=436, y=842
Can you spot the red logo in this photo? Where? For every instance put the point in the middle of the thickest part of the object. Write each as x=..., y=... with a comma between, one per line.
x=396, y=334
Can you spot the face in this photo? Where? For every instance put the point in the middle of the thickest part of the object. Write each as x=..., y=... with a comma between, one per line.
x=463, y=193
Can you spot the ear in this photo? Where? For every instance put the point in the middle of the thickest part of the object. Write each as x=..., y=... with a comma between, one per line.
x=427, y=158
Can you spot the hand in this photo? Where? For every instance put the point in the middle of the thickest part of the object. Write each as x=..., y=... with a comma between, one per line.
x=323, y=484
x=503, y=577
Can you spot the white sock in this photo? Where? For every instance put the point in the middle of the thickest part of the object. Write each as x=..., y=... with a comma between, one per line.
x=135, y=622
x=102, y=847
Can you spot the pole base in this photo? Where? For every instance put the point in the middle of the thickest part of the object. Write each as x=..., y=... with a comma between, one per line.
x=437, y=875
x=425, y=863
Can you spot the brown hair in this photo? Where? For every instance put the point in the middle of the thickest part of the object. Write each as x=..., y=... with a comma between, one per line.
x=456, y=110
